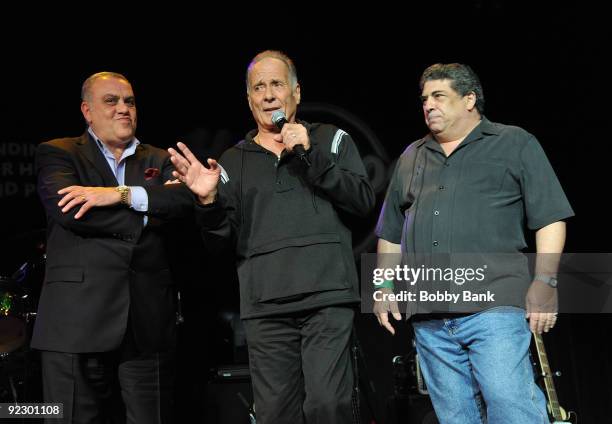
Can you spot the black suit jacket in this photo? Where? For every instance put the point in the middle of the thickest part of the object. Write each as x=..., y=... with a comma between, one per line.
x=107, y=264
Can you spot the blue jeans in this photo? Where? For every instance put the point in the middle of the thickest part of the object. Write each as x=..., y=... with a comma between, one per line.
x=477, y=368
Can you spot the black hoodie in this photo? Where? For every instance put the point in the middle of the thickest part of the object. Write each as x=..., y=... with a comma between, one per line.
x=283, y=218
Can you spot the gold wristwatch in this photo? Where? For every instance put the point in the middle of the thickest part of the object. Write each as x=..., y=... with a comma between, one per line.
x=125, y=194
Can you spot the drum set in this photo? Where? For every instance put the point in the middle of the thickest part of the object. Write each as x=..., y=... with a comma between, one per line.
x=19, y=365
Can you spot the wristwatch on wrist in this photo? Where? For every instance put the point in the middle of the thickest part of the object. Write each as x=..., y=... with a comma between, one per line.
x=550, y=280
x=125, y=194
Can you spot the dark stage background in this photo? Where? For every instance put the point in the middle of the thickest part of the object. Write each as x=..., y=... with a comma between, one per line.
x=542, y=70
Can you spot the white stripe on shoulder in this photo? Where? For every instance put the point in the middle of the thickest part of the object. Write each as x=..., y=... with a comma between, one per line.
x=335, y=146
x=224, y=177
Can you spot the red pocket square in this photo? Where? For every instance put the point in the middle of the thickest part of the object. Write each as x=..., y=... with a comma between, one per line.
x=151, y=173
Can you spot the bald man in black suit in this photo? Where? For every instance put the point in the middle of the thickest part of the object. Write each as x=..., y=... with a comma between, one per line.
x=106, y=317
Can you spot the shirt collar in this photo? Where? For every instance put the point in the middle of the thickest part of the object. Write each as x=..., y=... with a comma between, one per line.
x=484, y=128
x=129, y=150
x=249, y=140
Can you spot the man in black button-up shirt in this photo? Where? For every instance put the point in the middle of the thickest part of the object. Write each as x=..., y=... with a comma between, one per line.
x=469, y=187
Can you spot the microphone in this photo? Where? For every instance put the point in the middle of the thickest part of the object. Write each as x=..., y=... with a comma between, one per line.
x=279, y=120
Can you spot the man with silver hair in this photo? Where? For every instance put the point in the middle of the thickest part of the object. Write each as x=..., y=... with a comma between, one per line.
x=282, y=214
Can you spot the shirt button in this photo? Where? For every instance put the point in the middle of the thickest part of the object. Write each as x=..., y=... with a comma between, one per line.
x=446, y=164
x=435, y=243
x=436, y=213
x=441, y=187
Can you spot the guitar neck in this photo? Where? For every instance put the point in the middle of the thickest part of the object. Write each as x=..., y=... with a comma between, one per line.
x=551, y=392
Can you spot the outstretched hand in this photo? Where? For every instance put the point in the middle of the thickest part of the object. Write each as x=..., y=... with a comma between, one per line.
x=201, y=180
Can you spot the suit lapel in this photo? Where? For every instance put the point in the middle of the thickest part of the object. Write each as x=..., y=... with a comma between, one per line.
x=134, y=167
x=92, y=152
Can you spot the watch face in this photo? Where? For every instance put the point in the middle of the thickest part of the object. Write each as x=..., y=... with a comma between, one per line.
x=551, y=281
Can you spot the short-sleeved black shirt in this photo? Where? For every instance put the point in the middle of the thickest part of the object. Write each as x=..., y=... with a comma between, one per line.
x=478, y=199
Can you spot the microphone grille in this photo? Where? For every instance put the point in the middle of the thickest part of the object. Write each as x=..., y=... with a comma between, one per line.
x=278, y=116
